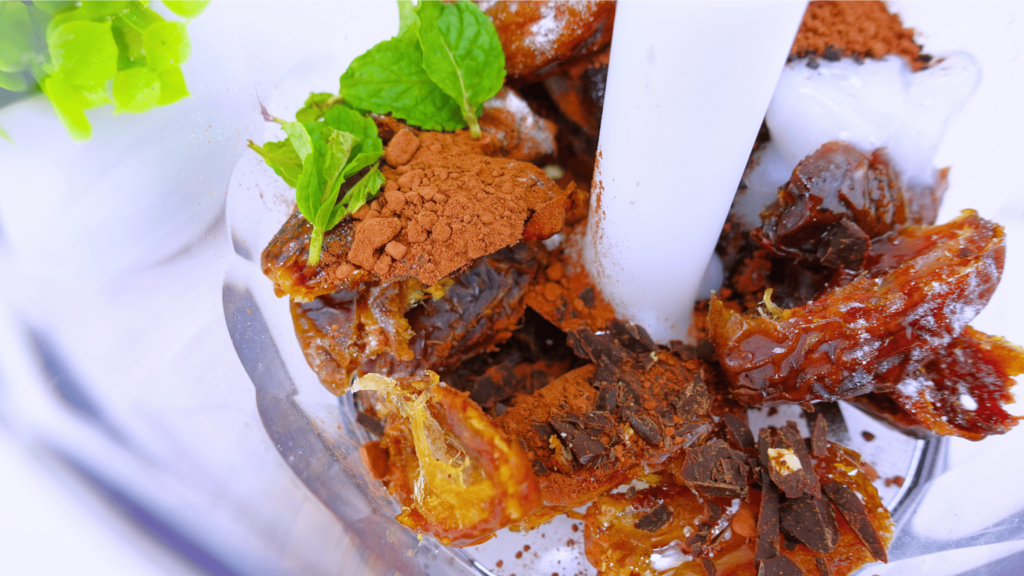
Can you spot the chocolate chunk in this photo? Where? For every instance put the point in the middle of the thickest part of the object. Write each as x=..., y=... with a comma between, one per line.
x=738, y=432
x=643, y=426
x=779, y=566
x=716, y=470
x=831, y=54
x=598, y=422
x=586, y=344
x=632, y=337
x=819, y=437
x=856, y=516
x=372, y=424
x=713, y=511
x=628, y=395
x=822, y=566
x=630, y=492
x=587, y=449
x=767, y=522
x=587, y=295
x=606, y=374
x=784, y=455
x=544, y=430
x=607, y=397
x=539, y=468
x=709, y=566
x=813, y=63
x=655, y=519
x=810, y=521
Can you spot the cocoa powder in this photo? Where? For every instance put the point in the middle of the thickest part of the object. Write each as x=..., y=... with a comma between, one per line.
x=447, y=205
x=860, y=29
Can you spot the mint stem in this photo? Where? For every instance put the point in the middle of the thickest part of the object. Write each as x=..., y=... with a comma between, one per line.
x=474, y=126
x=316, y=242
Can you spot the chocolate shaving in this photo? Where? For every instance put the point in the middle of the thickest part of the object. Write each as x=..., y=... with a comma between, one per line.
x=372, y=424
x=587, y=449
x=779, y=566
x=539, y=468
x=632, y=337
x=819, y=437
x=586, y=344
x=767, y=522
x=606, y=373
x=709, y=566
x=822, y=565
x=715, y=470
x=810, y=521
x=793, y=481
x=738, y=432
x=607, y=397
x=856, y=516
x=654, y=520
x=643, y=426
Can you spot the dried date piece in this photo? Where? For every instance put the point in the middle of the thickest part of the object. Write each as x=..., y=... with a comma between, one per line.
x=540, y=36
x=591, y=444
x=521, y=133
x=399, y=331
x=578, y=91
x=456, y=475
x=871, y=333
x=961, y=391
x=837, y=200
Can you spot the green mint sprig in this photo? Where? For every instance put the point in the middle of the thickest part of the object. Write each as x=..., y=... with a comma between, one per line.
x=444, y=64
x=319, y=156
x=88, y=54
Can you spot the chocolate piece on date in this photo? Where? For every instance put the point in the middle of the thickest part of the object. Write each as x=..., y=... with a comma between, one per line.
x=784, y=455
x=767, y=521
x=856, y=516
x=654, y=520
x=713, y=469
x=810, y=520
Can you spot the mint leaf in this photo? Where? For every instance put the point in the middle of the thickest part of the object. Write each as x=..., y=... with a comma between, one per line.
x=357, y=196
x=13, y=81
x=129, y=44
x=187, y=9
x=300, y=139
x=462, y=54
x=84, y=52
x=166, y=45
x=136, y=90
x=407, y=17
x=54, y=6
x=141, y=18
x=370, y=147
x=64, y=99
x=316, y=105
x=281, y=157
x=172, y=86
x=93, y=95
x=339, y=147
x=93, y=9
x=17, y=49
x=390, y=79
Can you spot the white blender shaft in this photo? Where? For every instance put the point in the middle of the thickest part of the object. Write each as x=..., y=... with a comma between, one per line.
x=688, y=87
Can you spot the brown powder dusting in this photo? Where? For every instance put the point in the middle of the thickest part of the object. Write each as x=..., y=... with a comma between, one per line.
x=448, y=205
x=831, y=30
x=569, y=299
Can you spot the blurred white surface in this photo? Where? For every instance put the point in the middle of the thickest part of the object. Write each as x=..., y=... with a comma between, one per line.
x=148, y=348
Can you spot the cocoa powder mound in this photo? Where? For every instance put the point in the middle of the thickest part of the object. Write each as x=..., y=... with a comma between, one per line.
x=831, y=30
x=449, y=205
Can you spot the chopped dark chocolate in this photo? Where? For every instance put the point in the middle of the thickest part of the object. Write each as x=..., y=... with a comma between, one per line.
x=767, y=522
x=715, y=470
x=823, y=568
x=587, y=449
x=779, y=566
x=709, y=566
x=587, y=344
x=372, y=424
x=632, y=337
x=643, y=426
x=819, y=437
x=606, y=373
x=856, y=516
x=784, y=455
x=607, y=397
x=654, y=520
x=739, y=433
x=539, y=468
x=810, y=521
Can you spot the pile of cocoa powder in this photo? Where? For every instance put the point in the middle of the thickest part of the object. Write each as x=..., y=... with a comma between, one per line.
x=446, y=204
x=831, y=30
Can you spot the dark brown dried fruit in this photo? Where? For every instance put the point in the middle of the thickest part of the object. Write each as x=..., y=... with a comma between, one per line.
x=871, y=333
